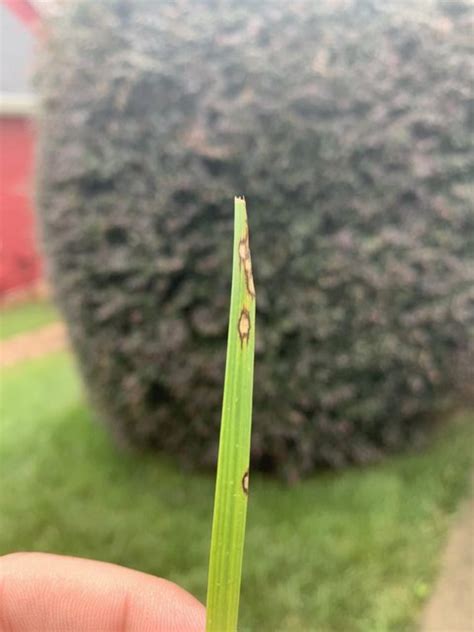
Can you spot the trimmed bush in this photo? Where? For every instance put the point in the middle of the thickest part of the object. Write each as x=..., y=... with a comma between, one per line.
x=348, y=126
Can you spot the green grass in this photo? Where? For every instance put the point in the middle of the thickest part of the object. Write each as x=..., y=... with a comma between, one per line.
x=232, y=478
x=350, y=552
x=18, y=319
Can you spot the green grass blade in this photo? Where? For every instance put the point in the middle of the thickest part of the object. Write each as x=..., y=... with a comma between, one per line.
x=230, y=504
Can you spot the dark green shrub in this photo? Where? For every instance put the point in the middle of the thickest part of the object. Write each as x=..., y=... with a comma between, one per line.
x=348, y=126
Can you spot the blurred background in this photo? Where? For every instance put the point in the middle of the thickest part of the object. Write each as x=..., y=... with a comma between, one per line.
x=126, y=128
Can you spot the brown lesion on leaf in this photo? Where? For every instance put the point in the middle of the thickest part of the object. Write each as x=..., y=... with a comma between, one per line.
x=245, y=482
x=243, y=326
x=246, y=262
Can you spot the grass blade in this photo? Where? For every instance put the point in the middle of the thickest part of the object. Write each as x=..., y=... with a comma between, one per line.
x=230, y=504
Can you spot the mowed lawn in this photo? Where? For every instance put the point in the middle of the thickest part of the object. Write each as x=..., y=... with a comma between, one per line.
x=17, y=319
x=341, y=552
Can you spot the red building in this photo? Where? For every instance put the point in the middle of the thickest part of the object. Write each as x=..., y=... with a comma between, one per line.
x=20, y=263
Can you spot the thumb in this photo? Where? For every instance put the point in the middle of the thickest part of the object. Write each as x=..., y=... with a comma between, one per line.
x=51, y=593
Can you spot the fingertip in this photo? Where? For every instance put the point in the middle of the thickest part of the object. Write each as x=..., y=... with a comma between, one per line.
x=49, y=592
